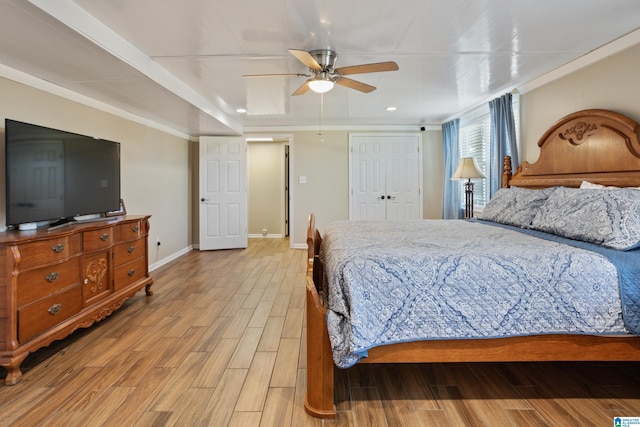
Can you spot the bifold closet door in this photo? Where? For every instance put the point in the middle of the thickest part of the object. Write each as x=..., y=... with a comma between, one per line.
x=385, y=173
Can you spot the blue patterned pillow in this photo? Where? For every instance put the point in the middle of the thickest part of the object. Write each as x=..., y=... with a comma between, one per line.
x=515, y=206
x=608, y=217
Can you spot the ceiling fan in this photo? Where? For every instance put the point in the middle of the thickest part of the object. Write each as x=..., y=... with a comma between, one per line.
x=323, y=74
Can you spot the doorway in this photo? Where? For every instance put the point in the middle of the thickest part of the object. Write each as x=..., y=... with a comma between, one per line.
x=269, y=195
x=287, y=174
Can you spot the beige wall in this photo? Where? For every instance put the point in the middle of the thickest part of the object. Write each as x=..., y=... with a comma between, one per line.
x=155, y=177
x=265, y=164
x=433, y=166
x=612, y=83
x=325, y=162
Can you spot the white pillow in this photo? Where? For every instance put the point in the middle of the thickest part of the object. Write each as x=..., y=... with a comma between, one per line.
x=593, y=186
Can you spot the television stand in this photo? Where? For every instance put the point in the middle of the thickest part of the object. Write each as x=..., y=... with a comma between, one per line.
x=76, y=220
x=61, y=223
x=52, y=283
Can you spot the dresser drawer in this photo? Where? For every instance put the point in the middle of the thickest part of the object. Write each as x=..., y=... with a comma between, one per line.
x=48, y=251
x=38, y=317
x=129, y=273
x=129, y=231
x=97, y=239
x=128, y=251
x=41, y=282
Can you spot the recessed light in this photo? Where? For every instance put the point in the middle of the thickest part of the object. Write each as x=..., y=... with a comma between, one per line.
x=258, y=139
x=391, y=108
x=241, y=110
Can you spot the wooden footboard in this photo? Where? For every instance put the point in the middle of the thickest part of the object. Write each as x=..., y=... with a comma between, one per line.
x=319, y=400
x=319, y=396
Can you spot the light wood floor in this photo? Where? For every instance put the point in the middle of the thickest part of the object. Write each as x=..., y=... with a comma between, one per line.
x=221, y=343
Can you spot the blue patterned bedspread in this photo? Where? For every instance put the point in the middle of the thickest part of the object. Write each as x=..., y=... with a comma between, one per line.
x=391, y=282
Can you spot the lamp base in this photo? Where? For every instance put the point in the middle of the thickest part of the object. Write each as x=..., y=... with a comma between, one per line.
x=468, y=199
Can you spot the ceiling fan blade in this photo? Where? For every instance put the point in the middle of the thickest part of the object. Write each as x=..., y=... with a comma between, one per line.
x=301, y=90
x=368, y=68
x=353, y=84
x=275, y=75
x=306, y=58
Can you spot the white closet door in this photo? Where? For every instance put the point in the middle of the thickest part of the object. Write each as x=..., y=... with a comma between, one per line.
x=368, y=178
x=385, y=176
x=403, y=179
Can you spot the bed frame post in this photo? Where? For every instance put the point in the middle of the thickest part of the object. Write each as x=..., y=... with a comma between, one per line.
x=506, y=175
x=319, y=398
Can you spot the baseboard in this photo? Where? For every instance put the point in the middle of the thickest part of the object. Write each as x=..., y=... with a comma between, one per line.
x=293, y=245
x=170, y=258
x=265, y=236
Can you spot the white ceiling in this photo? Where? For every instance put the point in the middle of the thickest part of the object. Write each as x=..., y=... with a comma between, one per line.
x=178, y=64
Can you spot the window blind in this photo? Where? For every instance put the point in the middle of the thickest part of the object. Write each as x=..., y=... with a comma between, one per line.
x=474, y=142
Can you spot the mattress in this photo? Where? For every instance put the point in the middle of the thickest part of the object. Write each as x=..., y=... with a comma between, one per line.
x=398, y=281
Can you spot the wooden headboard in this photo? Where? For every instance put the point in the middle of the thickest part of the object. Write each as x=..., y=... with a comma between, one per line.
x=599, y=146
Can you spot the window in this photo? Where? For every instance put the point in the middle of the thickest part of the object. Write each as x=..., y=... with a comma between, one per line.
x=474, y=140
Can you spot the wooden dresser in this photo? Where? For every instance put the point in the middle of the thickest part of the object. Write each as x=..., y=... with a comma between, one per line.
x=54, y=282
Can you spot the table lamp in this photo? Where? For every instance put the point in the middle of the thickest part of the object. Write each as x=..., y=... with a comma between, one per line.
x=467, y=169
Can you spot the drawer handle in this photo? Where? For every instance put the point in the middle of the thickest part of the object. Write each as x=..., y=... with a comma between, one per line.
x=55, y=309
x=58, y=248
x=131, y=272
x=104, y=237
x=135, y=228
x=51, y=276
x=131, y=249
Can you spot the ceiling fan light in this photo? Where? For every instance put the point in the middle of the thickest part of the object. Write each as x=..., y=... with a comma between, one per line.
x=320, y=85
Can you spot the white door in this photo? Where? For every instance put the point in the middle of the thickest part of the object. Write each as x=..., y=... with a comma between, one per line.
x=403, y=178
x=385, y=176
x=368, y=172
x=223, y=193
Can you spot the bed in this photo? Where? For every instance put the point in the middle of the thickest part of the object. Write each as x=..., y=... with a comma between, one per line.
x=591, y=148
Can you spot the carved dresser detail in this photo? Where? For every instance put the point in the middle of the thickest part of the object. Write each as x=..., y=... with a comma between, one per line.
x=54, y=282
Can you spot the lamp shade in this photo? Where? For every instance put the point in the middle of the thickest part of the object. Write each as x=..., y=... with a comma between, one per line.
x=320, y=85
x=468, y=168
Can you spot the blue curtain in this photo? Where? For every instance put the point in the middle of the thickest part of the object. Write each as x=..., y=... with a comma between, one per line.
x=451, y=202
x=503, y=140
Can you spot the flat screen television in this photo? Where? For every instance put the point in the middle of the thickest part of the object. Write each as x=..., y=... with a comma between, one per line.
x=53, y=176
